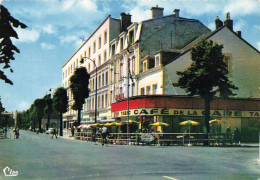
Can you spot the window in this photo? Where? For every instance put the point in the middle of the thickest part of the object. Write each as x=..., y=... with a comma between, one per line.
x=113, y=49
x=89, y=51
x=105, y=56
x=121, y=43
x=157, y=61
x=103, y=79
x=133, y=66
x=94, y=47
x=99, y=81
x=89, y=67
x=99, y=60
x=99, y=42
x=227, y=62
x=148, y=90
x=133, y=89
x=105, y=103
x=144, y=66
x=131, y=36
x=106, y=78
x=142, y=91
x=105, y=37
x=121, y=70
x=154, y=88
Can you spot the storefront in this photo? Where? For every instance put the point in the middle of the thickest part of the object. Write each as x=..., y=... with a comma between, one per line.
x=243, y=113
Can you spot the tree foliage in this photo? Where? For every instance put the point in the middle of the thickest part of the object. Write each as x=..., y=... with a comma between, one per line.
x=207, y=75
x=79, y=83
x=60, y=103
x=39, y=105
x=7, y=49
x=48, y=109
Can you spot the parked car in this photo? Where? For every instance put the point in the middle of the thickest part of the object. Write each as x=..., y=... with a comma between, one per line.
x=50, y=131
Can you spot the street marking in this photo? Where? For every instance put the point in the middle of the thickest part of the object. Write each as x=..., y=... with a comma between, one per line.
x=170, y=178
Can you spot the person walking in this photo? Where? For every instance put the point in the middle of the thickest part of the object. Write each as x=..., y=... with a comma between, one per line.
x=104, y=135
x=54, y=133
x=72, y=131
x=236, y=136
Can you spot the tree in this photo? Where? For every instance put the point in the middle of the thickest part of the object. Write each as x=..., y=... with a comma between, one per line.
x=7, y=49
x=207, y=75
x=39, y=105
x=79, y=82
x=48, y=108
x=60, y=103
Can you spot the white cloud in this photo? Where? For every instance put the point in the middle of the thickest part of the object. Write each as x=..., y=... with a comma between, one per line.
x=239, y=25
x=67, y=4
x=211, y=26
x=48, y=29
x=47, y=46
x=138, y=14
x=88, y=5
x=242, y=7
x=68, y=39
x=23, y=106
x=258, y=45
x=257, y=27
x=26, y=35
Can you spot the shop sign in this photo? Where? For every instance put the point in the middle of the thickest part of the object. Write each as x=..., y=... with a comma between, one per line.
x=187, y=112
x=146, y=138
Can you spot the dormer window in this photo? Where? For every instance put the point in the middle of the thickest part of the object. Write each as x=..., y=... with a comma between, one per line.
x=145, y=65
x=121, y=43
x=131, y=36
x=157, y=61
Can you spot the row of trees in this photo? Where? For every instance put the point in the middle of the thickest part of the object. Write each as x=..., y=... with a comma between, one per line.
x=45, y=107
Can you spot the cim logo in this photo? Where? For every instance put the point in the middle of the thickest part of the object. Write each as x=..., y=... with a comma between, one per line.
x=9, y=172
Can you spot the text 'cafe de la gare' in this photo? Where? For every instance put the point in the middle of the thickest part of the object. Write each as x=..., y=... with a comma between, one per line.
x=243, y=113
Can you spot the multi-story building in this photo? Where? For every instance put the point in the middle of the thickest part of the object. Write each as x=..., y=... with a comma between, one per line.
x=137, y=64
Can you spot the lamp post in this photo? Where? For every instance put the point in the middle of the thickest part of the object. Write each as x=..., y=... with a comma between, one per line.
x=82, y=61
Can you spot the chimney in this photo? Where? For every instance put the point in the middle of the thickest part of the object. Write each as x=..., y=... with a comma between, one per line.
x=125, y=21
x=218, y=23
x=228, y=22
x=239, y=34
x=176, y=12
x=157, y=12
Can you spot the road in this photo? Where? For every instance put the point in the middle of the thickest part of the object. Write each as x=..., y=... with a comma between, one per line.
x=37, y=156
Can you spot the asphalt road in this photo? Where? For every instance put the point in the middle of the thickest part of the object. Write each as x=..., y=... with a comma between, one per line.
x=37, y=156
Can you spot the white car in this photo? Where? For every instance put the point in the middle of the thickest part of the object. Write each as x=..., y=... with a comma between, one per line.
x=50, y=131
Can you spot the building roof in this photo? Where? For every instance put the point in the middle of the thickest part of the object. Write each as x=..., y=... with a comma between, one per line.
x=189, y=46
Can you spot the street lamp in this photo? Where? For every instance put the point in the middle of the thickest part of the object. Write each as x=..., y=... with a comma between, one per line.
x=82, y=61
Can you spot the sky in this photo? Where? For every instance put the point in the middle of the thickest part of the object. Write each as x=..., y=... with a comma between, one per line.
x=56, y=29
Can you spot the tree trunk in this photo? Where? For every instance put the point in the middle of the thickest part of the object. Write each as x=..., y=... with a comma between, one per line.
x=61, y=129
x=207, y=117
x=79, y=117
x=48, y=123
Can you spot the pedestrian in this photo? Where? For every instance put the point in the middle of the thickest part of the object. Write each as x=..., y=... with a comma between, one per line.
x=104, y=135
x=236, y=136
x=54, y=133
x=228, y=131
x=17, y=133
x=72, y=131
